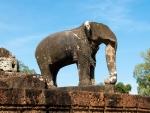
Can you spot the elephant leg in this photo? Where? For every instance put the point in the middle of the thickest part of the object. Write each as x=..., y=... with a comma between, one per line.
x=111, y=64
x=84, y=72
x=92, y=70
x=47, y=74
x=54, y=73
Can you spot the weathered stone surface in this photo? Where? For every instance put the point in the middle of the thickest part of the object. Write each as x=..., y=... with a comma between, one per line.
x=144, y=102
x=77, y=46
x=8, y=62
x=22, y=93
x=83, y=88
x=70, y=101
x=129, y=101
x=109, y=88
x=20, y=80
x=4, y=53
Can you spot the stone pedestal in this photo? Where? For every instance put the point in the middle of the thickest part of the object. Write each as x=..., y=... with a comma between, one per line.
x=109, y=88
x=21, y=93
x=70, y=100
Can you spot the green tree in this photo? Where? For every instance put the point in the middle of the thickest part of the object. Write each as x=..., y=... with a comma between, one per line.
x=122, y=88
x=142, y=74
x=23, y=68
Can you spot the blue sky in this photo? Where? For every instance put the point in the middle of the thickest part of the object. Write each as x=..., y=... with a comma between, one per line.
x=24, y=23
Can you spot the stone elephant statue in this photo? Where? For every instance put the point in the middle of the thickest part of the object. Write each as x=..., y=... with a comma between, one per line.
x=78, y=45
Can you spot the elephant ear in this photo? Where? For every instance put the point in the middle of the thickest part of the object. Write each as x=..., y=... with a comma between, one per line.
x=87, y=29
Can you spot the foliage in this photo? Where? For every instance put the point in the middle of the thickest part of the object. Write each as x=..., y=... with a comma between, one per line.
x=23, y=68
x=120, y=87
x=142, y=74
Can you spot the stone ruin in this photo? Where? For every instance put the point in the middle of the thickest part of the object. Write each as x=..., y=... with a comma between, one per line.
x=23, y=93
x=10, y=77
x=8, y=62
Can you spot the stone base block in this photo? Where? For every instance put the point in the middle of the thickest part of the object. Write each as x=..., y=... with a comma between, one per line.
x=70, y=100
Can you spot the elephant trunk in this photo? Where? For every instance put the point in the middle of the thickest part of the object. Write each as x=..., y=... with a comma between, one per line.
x=111, y=62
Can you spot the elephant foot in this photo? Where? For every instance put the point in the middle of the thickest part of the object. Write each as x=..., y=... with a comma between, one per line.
x=111, y=80
x=85, y=83
x=92, y=81
x=50, y=85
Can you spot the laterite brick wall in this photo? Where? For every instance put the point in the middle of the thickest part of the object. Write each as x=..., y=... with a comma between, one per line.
x=71, y=100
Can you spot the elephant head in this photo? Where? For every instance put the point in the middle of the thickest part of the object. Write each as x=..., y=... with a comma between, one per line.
x=98, y=33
